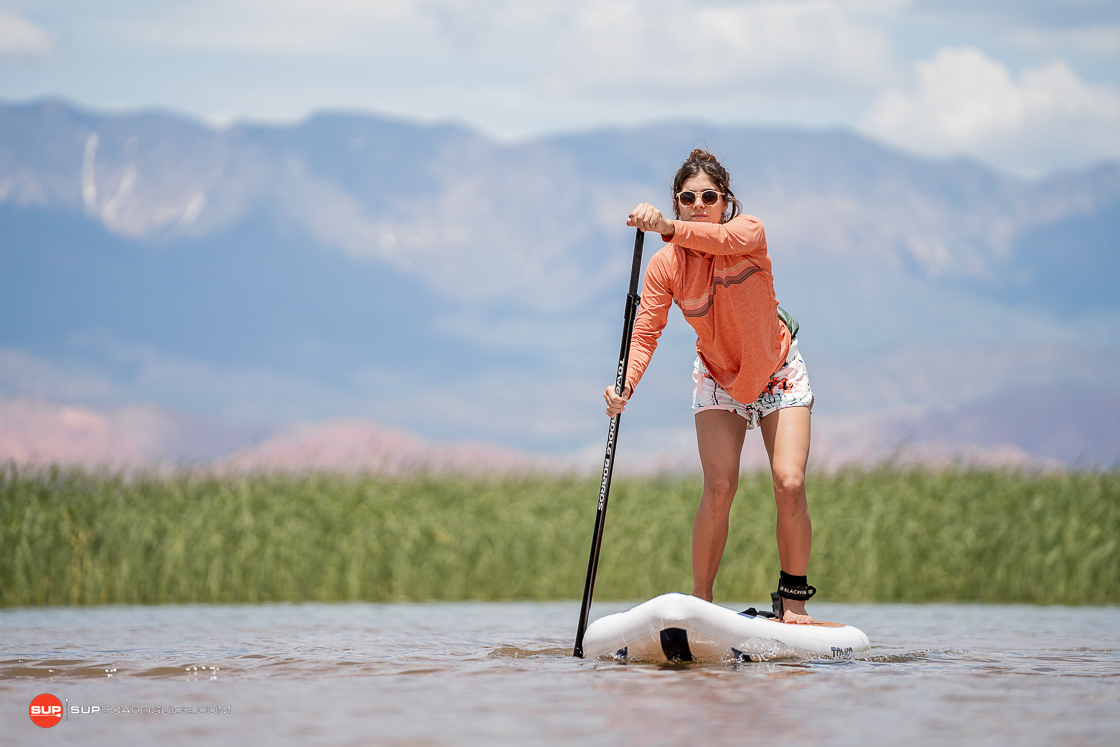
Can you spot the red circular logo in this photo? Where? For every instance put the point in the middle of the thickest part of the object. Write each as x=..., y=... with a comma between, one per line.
x=46, y=710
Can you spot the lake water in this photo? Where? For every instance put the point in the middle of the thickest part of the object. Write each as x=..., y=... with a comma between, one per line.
x=486, y=673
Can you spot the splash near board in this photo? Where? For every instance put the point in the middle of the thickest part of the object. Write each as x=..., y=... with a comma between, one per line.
x=679, y=627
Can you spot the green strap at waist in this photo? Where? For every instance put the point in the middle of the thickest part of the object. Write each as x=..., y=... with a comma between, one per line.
x=789, y=321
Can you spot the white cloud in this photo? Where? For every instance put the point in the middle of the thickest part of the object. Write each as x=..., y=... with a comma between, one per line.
x=285, y=27
x=1006, y=14
x=456, y=405
x=682, y=50
x=605, y=48
x=1103, y=41
x=328, y=27
x=25, y=375
x=21, y=39
x=249, y=394
x=963, y=102
x=518, y=69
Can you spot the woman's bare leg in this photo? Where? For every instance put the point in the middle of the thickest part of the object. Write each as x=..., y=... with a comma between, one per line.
x=785, y=433
x=719, y=436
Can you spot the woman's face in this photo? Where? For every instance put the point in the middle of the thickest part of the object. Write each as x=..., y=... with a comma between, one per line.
x=698, y=211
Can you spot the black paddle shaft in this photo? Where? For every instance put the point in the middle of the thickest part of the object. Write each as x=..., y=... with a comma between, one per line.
x=632, y=301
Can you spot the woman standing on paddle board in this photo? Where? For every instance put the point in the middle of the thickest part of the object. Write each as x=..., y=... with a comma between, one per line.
x=717, y=270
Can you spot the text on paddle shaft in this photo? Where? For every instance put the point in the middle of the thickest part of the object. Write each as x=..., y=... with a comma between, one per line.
x=605, y=484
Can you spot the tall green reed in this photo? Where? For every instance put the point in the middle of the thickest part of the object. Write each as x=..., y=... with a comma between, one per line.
x=81, y=537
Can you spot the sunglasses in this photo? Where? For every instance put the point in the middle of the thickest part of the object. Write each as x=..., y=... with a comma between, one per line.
x=709, y=196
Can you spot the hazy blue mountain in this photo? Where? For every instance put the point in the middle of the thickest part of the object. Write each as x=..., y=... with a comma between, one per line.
x=432, y=278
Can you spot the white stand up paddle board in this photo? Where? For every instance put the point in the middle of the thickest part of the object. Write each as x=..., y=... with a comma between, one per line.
x=679, y=627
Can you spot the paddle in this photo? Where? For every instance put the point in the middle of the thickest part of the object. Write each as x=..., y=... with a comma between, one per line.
x=632, y=301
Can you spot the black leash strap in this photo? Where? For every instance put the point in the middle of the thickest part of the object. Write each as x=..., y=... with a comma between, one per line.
x=632, y=301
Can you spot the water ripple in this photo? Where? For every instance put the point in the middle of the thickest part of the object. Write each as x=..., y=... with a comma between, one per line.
x=504, y=673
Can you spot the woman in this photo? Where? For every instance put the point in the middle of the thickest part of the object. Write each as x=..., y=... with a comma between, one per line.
x=717, y=270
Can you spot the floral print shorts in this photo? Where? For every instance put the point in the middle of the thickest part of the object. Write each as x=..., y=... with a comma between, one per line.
x=789, y=387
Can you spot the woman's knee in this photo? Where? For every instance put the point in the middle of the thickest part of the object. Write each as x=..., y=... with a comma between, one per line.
x=721, y=488
x=789, y=485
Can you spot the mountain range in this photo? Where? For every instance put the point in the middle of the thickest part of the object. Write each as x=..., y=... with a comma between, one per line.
x=244, y=284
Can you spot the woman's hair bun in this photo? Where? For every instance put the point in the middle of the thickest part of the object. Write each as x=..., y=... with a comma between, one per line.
x=699, y=154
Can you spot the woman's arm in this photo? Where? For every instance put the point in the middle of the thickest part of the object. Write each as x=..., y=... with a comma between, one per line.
x=741, y=235
x=653, y=313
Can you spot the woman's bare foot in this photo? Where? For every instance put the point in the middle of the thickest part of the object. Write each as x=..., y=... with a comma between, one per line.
x=793, y=612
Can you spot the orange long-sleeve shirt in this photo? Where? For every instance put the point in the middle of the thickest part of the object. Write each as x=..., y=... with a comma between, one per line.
x=720, y=277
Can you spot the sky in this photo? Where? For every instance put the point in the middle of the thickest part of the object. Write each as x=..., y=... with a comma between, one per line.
x=1029, y=86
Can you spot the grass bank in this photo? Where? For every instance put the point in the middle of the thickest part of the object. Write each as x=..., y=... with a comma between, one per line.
x=887, y=535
